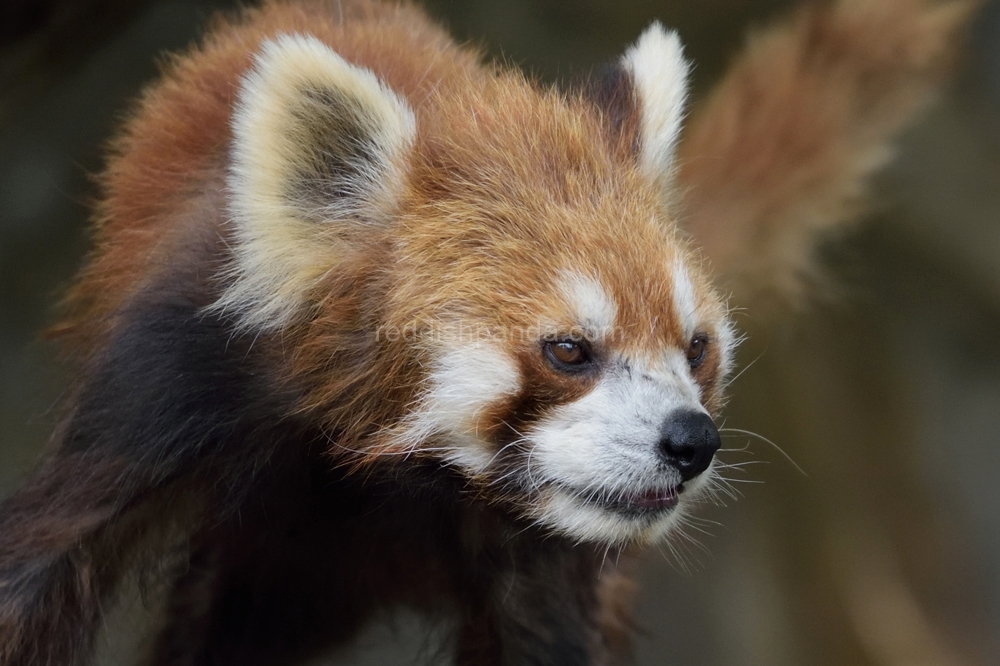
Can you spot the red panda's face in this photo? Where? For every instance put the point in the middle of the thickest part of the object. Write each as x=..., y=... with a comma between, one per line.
x=570, y=349
x=577, y=386
x=598, y=435
x=612, y=456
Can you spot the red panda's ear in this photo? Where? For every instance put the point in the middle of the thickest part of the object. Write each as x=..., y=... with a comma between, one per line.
x=659, y=74
x=319, y=152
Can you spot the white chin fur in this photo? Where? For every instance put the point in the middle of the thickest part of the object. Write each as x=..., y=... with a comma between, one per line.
x=583, y=522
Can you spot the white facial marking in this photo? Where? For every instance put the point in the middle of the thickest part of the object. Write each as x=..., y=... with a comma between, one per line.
x=660, y=74
x=606, y=443
x=583, y=522
x=466, y=379
x=685, y=302
x=594, y=308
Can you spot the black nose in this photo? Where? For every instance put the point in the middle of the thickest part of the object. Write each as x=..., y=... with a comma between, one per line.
x=688, y=441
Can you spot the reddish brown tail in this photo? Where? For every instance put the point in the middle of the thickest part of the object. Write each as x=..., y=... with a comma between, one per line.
x=779, y=152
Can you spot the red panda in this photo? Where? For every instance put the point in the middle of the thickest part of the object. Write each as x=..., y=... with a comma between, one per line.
x=371, y=323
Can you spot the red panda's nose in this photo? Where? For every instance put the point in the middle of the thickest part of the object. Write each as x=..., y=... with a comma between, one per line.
x=688, y=440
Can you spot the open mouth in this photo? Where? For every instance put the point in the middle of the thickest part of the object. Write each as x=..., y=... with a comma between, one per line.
x=653, y=500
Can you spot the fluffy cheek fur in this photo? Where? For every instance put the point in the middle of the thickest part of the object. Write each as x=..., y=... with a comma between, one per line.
x=466, y=380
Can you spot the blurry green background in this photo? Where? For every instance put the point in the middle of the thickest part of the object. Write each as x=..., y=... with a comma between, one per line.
x=886, y=390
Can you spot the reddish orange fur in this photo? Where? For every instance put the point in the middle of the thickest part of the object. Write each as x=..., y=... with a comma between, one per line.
x=492, y=138
x=492, y=127
x=169, y=162
x=509, y=185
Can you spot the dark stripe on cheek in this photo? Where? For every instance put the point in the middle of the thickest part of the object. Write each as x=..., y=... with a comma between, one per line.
x=542, y=388
x=707, y=376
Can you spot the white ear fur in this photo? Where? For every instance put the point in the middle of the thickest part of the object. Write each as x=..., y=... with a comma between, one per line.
x=318, y=154
x=660, y=75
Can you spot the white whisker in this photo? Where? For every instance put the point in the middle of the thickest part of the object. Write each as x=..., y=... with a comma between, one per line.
x=766, y=440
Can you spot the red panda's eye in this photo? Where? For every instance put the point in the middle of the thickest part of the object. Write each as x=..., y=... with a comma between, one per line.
x=566, y=354
x=697, y=349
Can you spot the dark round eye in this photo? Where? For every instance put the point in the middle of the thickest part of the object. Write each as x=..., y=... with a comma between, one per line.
x=567, y=354
x=697, y=350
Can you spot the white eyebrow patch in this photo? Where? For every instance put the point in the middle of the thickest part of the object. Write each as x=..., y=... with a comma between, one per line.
x=685, y=301
x=595, y=310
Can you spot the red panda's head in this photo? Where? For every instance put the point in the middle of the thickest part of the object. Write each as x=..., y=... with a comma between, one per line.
x=563, y=347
